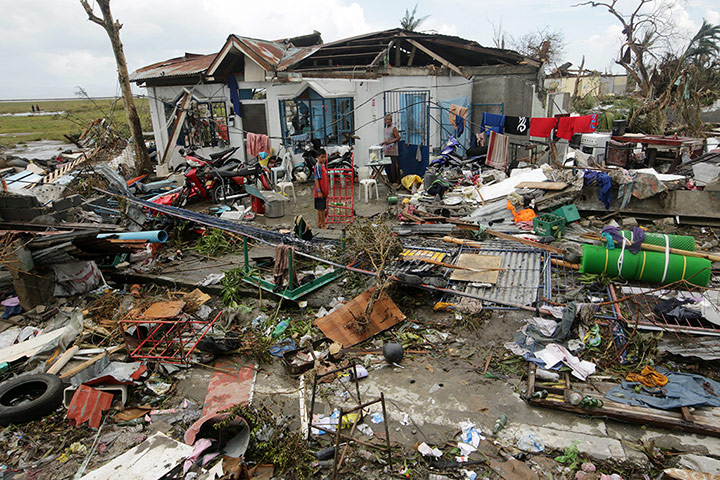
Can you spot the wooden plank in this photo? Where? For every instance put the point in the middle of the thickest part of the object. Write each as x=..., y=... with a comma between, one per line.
x=88, y=363
x=62, y=360
x=179, y=119
x=543, y=185
x=339, y=326
x=437, y=57
x=477, y=262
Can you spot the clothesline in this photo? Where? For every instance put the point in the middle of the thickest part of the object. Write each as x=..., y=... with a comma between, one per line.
x=565, y=127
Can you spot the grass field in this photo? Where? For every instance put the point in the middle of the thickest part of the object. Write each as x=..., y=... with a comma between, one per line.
x=78, y=113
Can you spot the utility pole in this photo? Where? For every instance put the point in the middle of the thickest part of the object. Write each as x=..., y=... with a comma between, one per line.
x=112, y=27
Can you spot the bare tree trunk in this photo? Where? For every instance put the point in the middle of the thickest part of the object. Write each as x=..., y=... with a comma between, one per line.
x=112, y=27
x=577, y=80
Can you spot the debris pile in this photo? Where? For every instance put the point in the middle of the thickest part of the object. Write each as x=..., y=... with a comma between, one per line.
x=550, y=318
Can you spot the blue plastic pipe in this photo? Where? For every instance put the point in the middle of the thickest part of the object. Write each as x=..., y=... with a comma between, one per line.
x=153, y=236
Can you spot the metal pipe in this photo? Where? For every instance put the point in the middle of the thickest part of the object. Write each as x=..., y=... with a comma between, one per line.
x=153, y=236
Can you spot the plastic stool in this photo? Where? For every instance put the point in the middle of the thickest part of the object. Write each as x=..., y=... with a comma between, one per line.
x=368, y=183
x=283, y=185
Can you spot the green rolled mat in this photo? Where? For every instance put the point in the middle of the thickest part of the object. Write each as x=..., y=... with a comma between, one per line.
x=646, y=266
x=681, y=242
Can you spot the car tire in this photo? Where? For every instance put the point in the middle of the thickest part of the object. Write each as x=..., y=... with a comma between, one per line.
x=29, y=397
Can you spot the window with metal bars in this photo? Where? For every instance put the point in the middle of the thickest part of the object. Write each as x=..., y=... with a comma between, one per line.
x=329, y=120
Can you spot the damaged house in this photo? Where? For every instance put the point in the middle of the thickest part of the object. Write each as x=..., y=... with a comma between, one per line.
x=299, y=89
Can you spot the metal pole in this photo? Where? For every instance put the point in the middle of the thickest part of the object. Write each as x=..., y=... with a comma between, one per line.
x=387, y=431
x=312, y=407
x=337, y=443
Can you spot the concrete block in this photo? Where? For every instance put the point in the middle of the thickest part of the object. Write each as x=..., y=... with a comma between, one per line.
x=629, y=222
x=700, y=463
x=25, y=214
x=11, y=201
x=67, y=202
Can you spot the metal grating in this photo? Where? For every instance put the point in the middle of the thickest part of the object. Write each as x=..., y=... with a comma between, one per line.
x=641, y=304
x=340, y=206
x=526, y=279
x=564, y=280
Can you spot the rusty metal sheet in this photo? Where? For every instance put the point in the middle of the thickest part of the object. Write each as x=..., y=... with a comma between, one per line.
x=188, y=65
x=230, y=385
x=88, y=405
x=168, y=309
x=338, y=326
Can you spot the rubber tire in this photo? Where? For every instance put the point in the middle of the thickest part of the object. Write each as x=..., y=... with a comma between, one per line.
x=40, y=407
x=217, y=193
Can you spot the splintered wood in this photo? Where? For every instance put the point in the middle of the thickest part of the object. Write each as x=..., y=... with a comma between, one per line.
x=339, y=326
x=487, y=265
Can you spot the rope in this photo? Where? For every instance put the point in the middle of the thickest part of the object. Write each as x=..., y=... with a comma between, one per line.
x=667, y=258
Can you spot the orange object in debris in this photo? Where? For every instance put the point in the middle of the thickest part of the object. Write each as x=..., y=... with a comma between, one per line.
x=648, y=377
x=135, y=290
x=88, y=405
x=524, y=215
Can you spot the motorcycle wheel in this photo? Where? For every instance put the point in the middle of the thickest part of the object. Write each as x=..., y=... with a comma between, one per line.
x=220, y=192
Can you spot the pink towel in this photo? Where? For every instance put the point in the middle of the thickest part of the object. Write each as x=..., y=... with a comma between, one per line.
x=256, y=143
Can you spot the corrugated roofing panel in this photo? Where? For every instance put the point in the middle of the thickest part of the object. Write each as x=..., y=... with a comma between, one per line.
x=189, y=65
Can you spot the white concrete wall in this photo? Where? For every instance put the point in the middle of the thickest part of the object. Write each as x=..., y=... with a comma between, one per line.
x=367, y=101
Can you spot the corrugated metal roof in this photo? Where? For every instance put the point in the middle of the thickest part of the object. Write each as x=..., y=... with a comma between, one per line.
x=189, y=65
x=526, y=276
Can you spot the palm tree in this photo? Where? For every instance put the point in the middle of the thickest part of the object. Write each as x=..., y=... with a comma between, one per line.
x=409, y=22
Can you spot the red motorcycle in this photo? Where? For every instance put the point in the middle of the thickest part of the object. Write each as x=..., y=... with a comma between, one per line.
x=220, y=184
x=194, y=159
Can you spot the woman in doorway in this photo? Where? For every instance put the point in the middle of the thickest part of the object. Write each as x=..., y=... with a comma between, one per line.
x=391, y=137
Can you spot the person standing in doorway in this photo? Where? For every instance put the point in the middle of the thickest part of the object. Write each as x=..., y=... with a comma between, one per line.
x=321, y=188
x=391, y=137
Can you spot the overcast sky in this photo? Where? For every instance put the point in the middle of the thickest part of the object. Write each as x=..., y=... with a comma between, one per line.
x=48, y=48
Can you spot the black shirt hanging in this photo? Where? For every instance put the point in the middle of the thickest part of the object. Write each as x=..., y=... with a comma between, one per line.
x=517, y=125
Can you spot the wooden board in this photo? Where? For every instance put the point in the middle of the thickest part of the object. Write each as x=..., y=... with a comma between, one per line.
x=477, y=262
x=339, y=325
x=168, y=309
x=705, y=419
x=543, y=185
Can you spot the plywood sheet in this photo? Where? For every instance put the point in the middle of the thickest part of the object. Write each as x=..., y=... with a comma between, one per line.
x=339, y=325
x=169, y=309
x=477, y=262
x=543, y=185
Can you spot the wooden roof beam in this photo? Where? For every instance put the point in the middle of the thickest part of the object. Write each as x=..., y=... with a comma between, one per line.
x=437, y=57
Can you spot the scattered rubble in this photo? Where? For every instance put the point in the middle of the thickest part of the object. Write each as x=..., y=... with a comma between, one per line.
x=545, y=321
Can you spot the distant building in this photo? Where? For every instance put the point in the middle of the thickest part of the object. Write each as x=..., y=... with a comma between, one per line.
x=563, y=81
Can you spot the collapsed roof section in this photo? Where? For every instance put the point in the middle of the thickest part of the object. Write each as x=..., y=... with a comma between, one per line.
x=370, y=54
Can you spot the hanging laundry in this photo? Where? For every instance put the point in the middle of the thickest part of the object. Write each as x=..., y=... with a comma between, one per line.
x=492, y=121
x=517, y=125
x=542, y=126
x=566, y=127
x=257, y=143
x=498, y=151
x=605, y=183
x=457, y=111
x=585, y=123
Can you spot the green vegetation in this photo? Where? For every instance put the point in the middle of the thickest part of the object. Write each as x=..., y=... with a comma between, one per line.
x=78, y=113
x=216, y=242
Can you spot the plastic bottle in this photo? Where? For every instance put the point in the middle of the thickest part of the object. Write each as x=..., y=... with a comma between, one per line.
x=281, y=327
x=499, y=424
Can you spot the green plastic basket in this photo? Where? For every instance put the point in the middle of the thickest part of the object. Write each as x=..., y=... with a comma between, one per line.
x=568, y=212
x=549, y=225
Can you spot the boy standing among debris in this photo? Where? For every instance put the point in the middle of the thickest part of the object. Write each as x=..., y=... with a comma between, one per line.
x=321, y=188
